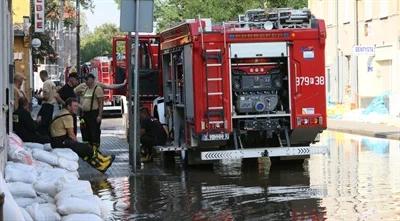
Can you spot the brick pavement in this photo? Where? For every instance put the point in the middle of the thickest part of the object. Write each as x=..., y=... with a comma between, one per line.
x=110, y=144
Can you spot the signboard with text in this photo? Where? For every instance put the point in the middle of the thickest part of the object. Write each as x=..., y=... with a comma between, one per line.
x=39, y=15
x=364, y=50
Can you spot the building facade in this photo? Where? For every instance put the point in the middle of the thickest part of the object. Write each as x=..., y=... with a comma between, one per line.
x=372, y=29
x=22, y=47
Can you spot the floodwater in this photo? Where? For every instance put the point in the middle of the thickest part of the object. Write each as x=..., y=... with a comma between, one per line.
x=358, y=180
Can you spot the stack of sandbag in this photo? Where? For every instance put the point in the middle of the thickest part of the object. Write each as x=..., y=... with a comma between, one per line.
x=44, y=184
x=75, y=201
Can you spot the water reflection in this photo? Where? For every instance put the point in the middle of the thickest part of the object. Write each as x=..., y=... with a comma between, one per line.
x=358, y=180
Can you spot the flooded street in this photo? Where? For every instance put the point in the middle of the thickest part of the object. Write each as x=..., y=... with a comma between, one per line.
x=358, y=180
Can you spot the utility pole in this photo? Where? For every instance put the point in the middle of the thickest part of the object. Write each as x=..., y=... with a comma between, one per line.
x=78, y=38
x=136, y=121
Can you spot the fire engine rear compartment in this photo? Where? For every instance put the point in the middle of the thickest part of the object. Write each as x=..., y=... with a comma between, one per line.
x=260, y=94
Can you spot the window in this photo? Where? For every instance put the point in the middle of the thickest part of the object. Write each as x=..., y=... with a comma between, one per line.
x=331, y=5
x=368, y=9
x=383, y=8
x=348, y=11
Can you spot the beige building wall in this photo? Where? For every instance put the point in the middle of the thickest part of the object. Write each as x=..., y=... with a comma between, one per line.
x=356, y=80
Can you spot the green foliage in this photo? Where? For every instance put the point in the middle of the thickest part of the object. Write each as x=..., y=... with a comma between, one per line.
x=286, y=3
x=168, y=12
x=45, y=50
x=99, y=42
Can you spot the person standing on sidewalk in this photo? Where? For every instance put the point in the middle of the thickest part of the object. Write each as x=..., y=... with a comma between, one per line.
x=92, y=110
x=49, y=99
x=67, y=91
x=63, y=136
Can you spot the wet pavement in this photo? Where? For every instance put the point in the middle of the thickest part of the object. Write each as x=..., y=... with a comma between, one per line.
x=358, y=180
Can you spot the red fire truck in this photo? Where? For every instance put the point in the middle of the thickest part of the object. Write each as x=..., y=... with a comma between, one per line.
x=149, y=73
x=112, y=70
x=245, y=89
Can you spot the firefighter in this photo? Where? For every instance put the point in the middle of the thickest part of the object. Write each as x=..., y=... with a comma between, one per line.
x=63, y=136
x=92, y=110
x=25, y=127
x=151, y=133
x=67, y=91
x=49, y=100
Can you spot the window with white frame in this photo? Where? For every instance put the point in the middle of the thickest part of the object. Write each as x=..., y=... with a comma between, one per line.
x=348, y=10
x=368, y=9
x=331, y=12
x=384, y=8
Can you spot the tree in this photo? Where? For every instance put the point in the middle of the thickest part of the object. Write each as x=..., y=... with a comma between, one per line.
x=286, y=3
x=168, y=12
x=99, y=42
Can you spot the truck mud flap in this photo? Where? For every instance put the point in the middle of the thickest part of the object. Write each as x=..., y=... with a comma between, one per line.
x=264, y=152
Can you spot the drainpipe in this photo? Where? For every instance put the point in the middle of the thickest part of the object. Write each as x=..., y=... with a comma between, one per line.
x=337, y=51
x=356, y=36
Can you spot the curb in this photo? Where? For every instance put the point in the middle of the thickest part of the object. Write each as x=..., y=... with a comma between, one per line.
x=361, y=128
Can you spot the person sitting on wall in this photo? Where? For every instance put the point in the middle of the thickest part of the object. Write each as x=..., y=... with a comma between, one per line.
x=152, y=133
x=63, y=136
x=24, y=125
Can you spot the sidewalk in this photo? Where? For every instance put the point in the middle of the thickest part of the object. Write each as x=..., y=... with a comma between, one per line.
x=120, y=168
x=364, y=128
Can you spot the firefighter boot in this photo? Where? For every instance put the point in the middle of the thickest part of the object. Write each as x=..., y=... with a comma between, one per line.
x=100, y=165
x=104, y=158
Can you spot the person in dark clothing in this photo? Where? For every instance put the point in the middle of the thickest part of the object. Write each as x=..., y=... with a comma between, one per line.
x=63, y=136
x=25, y=127
x=152, y=133
x=49, y=99
x=67, y=91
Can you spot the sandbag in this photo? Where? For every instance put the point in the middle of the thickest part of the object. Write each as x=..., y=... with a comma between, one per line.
x=23, y=190
x=68, y=164
x=24, y=202
x=48, y=178
x=43, y=212
x=45, y=156
x=66, y=153
x=45, y=198
x=33, y=145
x=16, y=151
x=72, y=205
x=39, y=165
x=11, y=211
x=47, y=147
x=79, y=184
x=18, y=172
x=27, y=216
x=80, y=217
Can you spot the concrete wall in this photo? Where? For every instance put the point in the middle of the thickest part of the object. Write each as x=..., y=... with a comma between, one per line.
x=354, y=79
